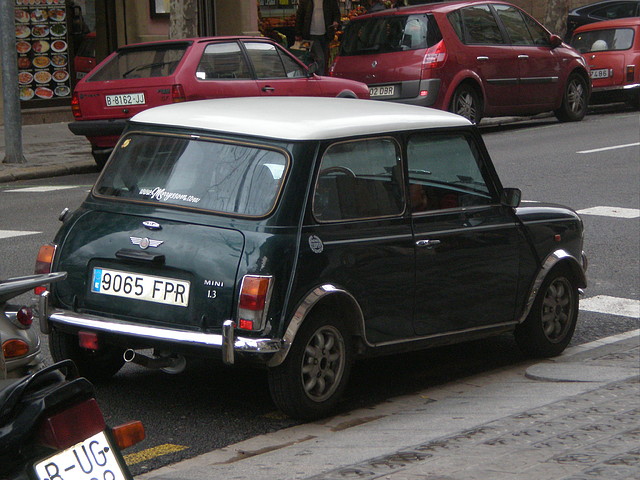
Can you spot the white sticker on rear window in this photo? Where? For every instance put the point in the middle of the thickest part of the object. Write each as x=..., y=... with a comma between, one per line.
x=162, y=195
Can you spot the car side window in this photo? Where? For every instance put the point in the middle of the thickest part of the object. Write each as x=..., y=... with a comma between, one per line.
x=222, y=61
x=359, y=179
x=539, y=34
x=514, y=24
x=480, y=26
x=292, y=68
x=265, y=59
x=445, y=172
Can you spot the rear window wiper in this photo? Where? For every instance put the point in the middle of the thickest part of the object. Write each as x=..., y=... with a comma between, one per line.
x=146, y=67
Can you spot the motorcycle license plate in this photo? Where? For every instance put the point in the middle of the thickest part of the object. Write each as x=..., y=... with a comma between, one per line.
x=92, y=458
x=149, y=288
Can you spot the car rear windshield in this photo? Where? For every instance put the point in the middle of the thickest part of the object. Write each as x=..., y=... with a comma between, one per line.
x=229, y=178
x=155, y=61
x=392, y=33
x=603, y=40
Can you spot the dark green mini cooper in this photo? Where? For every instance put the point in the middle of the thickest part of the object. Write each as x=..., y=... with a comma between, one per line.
x=301, y=234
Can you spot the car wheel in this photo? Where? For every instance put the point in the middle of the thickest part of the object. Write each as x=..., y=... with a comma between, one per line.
x=310, y=381
x=574, y=100
x=550, y=324
x=96, y=365
x=100, y=157
x=467, y=102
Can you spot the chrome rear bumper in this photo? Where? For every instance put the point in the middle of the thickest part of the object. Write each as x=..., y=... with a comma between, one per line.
x=228, y=343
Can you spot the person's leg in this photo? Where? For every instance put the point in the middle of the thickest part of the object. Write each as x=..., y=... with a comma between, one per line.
x=319, y=52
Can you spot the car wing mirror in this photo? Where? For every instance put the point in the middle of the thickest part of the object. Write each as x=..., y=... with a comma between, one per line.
x=511, y=197
x=555, y=41
x=312, y=69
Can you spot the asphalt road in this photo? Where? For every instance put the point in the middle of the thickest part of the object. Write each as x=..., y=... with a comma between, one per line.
x=210, y=406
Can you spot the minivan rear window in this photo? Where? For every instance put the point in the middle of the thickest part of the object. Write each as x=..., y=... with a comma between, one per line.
x=191, y=172
x=392, y=33
x=145, y=62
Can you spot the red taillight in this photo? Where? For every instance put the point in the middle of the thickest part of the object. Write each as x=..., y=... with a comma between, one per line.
x=71, y=426
x=44, y=262
x=75, y=106
x=25, y=316
x=254, y=299
x=435, y=56
x=177, y=94
x=15, y=348
x=88, y=340
x=631, y=72
x=128, y=434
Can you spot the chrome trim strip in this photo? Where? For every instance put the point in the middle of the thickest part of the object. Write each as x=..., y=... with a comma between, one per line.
x=198, y=339
x=370, y=239
x=550, y=262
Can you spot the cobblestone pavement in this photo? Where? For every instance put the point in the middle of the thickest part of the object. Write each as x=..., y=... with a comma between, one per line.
x=595, y=435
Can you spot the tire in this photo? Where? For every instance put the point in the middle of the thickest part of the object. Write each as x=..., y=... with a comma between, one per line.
x=574, y=100
x=313, y=376
x=98, y=365
x=100, y=157
x=548, y=328
x=466, y=102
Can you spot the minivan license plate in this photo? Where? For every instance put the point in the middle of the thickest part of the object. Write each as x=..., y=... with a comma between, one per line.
x=384, y=91
x=125, y=99
x=149, y=288
x=93, y=458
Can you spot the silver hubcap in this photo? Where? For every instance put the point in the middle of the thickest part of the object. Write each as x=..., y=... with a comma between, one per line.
x=557, y=310
x=575, y=96
x=465, y=106
x=323, y=363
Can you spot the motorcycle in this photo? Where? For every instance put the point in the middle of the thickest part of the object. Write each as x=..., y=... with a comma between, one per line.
x=51, y=427
x=20, y=343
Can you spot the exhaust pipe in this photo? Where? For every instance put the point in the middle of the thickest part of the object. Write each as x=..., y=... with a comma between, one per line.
x=167, y=363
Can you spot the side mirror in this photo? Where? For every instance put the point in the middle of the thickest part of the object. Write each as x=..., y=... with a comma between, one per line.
x=312, y=69
x=555, y=41
x=511, y=197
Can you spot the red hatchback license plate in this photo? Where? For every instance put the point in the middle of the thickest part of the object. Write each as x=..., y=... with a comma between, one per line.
x=124, y=100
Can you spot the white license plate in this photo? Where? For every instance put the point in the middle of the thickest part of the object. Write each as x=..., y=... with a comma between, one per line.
x=149, y=288
x=90, y=459
x=125, y=99
x=385, y=91
x=600, y=73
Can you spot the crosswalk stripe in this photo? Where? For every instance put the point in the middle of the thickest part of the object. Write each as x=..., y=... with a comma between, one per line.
x=15, y=233
x=42, y=189
x=624, y=307
x=617, y=212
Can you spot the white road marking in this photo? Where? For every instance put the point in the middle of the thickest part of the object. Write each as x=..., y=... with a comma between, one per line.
x=15, y=233
x=623, y=307
x=617, y=212
x=41, y=189
x=595, y=150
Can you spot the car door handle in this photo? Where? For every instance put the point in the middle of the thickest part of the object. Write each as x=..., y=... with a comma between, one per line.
x=427, y=243
x=523, y=57
x=481, y=58
x=268, y=89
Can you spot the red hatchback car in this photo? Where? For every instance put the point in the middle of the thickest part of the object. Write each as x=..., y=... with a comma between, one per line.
x=137, y=77
x=474, y=58
x=612, y=50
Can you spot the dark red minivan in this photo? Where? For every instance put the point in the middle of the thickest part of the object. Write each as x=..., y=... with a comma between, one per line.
x=137, y=77
x=474, y=58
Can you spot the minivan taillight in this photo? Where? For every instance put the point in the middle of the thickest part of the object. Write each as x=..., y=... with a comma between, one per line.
x=254, y=302
x=75, y=106
x=435, y=56
x=44, y=261
x=177, y=94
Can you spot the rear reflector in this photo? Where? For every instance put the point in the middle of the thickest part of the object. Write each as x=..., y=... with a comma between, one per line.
x=71, y=426
x=15, y=348
x=88, y=340
x=25, y=316
x=128, y=434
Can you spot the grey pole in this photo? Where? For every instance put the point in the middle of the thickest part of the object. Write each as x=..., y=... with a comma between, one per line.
x=10, y=93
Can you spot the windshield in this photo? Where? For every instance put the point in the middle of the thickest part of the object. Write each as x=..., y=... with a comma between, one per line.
x=603, y=40
x=390, y=33
x=153, y=61
x=191, y=172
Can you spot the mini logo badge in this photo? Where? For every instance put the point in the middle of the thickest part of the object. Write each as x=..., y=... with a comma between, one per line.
x=315, y=244
x=145, y=242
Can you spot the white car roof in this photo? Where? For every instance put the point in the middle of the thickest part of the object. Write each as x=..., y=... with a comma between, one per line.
x=298, y=118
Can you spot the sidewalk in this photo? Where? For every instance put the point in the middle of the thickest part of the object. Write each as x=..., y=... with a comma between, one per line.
x=575, y=417
x=50, y=150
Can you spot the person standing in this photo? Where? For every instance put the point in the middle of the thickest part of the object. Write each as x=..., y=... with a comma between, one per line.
x=317, y=20
x=375, y=6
